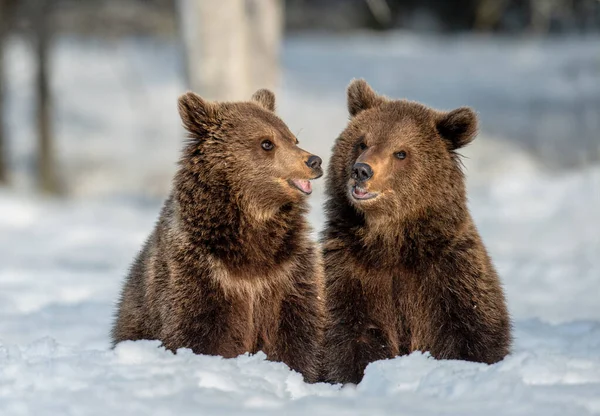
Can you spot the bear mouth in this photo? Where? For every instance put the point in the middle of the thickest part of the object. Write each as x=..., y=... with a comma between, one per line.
x=303, y=185
x=362, y=194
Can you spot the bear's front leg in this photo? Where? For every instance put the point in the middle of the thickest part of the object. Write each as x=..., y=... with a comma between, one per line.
x=352, y=338
x=468, y=319
x=300, y=331
x=206, y=321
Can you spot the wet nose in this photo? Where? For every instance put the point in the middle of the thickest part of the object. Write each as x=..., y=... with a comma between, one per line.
x=361, y=171
x=314, y=162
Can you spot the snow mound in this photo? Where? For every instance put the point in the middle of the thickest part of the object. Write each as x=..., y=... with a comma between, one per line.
x=46, y=378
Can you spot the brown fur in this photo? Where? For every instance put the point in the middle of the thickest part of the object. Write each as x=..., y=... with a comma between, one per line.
x=229, y=267
x=406, y=270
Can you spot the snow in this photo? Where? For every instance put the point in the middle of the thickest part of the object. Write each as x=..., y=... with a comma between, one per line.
x=62, y=261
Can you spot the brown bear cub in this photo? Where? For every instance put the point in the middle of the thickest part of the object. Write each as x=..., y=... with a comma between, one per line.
x=405, y=268
x=230, y=267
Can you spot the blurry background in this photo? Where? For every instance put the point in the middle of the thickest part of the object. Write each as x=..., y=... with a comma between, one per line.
x=90, y=133
x=89, y=87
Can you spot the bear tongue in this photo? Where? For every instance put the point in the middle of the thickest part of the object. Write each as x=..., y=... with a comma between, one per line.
x=303, y=184
x=360, y=192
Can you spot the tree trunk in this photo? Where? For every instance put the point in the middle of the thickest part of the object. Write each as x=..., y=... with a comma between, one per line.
x=488, y=13
x=3, y=156
x=232, y=46
x=265, y=33
x=47, y=175
x=214, y=34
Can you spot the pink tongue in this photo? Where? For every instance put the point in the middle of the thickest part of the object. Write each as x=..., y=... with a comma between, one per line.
x=359, y=192
x=304, y=185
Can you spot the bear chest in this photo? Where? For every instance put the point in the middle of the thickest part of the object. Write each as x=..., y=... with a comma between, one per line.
x=253, y=306
x=253, y=317
x=393, y=306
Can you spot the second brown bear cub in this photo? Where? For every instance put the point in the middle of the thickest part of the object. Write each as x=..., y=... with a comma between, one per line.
x=405, y=267
x=230, y=267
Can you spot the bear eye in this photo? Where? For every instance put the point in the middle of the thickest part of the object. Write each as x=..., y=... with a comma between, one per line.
x=400, y=155
x=362, y=146
x=267, y=145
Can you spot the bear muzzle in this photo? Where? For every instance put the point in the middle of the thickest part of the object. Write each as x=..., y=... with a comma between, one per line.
x=361, y=172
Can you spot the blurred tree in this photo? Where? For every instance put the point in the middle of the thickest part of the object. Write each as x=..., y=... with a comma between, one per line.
x=232, y=46
x=488, y=13
x=381, y=12
x=215, y=45
x=40, y=21
x=446, y=15
x=543, y=12
x=3, y=156
x=47, y=174
x=264, y=37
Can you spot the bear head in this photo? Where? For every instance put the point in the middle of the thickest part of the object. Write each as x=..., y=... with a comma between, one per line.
x=243, y=151
x=398, y=157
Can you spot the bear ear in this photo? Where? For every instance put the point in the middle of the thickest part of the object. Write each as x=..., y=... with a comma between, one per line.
x=196, y=113
x=265, y=99
x=459, y=127
x=362, y=97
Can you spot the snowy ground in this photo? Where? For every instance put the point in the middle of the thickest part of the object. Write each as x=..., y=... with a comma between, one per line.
x=62, y=261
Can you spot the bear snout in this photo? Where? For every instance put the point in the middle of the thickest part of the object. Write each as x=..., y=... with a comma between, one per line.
x=361, y=172
x=314, y=162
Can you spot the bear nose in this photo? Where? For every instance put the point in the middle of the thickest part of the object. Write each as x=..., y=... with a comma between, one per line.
x=314, y=162
x=361, y=171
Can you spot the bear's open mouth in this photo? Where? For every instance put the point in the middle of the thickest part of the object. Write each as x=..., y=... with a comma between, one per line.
x=303, y=185
x=361, y=193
